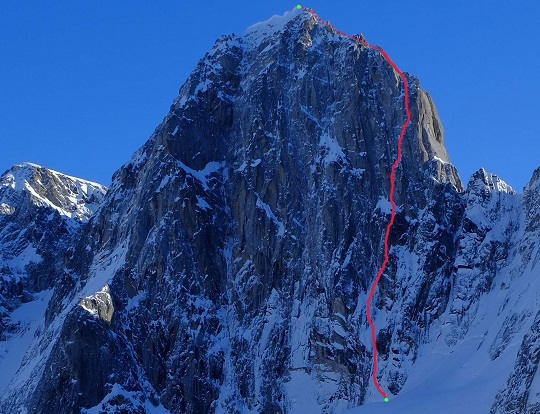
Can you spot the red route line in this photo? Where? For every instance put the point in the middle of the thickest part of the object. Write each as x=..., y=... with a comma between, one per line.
x=392, y=188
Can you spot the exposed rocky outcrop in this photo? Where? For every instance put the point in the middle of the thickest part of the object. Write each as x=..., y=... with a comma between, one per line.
x=99, y=304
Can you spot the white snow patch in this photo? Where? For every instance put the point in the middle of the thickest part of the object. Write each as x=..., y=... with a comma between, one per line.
x=441, y=161
x=534, y=395
x=28, y=255
x=271, y=216
x=202, y=175
x=334, y=151
x=135, y=301
x=202, y=86
x=302, y=393
x=164, y=182
x=6, y=209
x=104, y=266
x=201, y=202
x=301, y=73
x=339, y=329
x=136, y=398
x=242, y=167
x=445, y=383
x=384, y=206
x=313, y=393
x=260, y=31
x=29, y=316
x=357, y=172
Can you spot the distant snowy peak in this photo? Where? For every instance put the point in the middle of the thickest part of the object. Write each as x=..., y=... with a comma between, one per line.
x=71, y=197
x=483, y=182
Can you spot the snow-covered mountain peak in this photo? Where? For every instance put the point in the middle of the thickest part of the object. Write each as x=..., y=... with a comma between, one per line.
x=16, y=177
x=274, y=24
x=296, y=20
x=293, y=64
x=483, y=182
x=72, y=197
x=489, y=199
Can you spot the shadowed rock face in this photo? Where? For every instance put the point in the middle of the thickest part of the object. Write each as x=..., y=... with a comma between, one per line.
x=238, y=244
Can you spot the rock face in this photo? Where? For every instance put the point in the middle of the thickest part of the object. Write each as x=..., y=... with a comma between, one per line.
x=237, y=246
x=41, y=214
x=99, y=304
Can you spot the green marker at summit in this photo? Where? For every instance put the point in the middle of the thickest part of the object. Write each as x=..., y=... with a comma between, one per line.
x=298, y=6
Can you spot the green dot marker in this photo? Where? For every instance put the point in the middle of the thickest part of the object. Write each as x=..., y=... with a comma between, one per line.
x=385, y=399
x=298, y=7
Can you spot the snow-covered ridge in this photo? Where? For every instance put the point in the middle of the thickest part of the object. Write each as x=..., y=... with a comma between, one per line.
x=488, y=182
x=271, y=26
x=71, y=197
x=30, y=165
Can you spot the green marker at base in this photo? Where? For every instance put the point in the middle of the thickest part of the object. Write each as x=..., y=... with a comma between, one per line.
x=298, y=7
x=385, y=399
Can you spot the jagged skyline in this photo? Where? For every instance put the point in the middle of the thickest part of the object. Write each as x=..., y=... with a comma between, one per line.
x=85, y=86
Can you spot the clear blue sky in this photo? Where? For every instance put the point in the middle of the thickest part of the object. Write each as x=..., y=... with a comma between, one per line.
x=84, y=83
